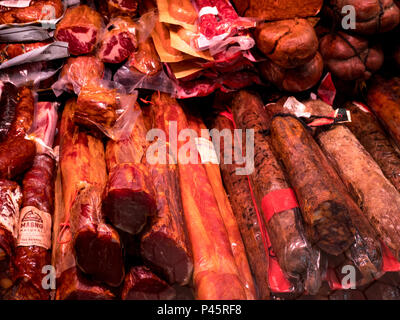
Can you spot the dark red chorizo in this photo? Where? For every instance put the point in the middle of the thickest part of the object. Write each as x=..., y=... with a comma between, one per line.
x=17, y=153
x=141, y=284
x=97, y=245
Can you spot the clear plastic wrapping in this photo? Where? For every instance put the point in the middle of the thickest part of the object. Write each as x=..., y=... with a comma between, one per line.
x=77, y=72
x=105, y=105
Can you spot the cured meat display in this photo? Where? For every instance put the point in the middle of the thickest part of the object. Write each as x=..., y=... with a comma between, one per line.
x=80, y=27
x=83, y=168
x=285, y=227
x=199, y=149
x=216, y=276
x=36, y=11
x=34, y=241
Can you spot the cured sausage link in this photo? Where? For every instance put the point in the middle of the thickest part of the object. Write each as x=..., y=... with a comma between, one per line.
x=285, y=227
x=225, y=209
x=317, y=186
x=245, y=212
x=371, y=135
x=83, y=168
x=129, y=201
x=216, y=275
x=165, y=245
x=17, y=153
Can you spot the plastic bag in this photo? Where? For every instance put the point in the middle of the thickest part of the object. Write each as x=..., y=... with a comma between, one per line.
x=77, y=72
x=22, y=34
x=218, y=20
x=81, y=28
x=43, y=128
x=31, y=73
x=105, y=105
x=18, y=54
x=118, y=41
x=35, y=12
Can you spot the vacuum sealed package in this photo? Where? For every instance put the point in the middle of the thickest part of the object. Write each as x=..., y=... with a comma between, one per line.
x=31, y=73
x=17, y=54
x=77, y=72
x=46, y=13
x=105, y=106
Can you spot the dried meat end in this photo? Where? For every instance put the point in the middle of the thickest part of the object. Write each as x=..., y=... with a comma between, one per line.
x=98, y=253
x=129, y=200
x=166, y=257
x=72, y=285
x=142, y=284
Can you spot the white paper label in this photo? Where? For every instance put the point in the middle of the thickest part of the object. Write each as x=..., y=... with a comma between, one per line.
x=34, y=228
x=292, y=105
x=9, y=212
x=206, y=150
x=208, y=10
x=15, y=3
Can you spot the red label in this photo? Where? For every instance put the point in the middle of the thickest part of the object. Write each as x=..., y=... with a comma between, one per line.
x=390, y=263
x=327, y=90
x=278, y=201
